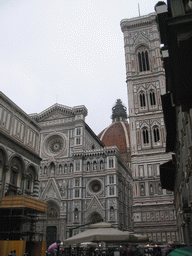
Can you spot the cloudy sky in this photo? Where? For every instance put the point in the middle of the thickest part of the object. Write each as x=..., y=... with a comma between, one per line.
x=69, y=52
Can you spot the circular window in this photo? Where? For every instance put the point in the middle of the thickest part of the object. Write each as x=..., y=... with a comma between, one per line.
x=54, y=144
x=95, y=186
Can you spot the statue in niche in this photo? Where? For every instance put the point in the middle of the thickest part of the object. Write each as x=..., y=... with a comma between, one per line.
x=76, y=214
x=94, y=166
x=52, y=167
x=101, y=165
x=112, y=215
x=151, y=189
x=159, y=188
x=142, y=190
x=88, y=166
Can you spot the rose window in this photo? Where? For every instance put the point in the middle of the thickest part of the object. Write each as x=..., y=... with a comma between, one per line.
x=54, y=144
x=95, y=186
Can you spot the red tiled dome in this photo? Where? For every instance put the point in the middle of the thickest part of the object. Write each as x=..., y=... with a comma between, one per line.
x=117, y=134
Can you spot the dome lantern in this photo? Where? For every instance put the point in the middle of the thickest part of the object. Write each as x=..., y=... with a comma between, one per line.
x=119, y=112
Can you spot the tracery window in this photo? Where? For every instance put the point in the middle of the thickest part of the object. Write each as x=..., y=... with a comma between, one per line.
x=78, y=141
x=156, y=134
x=78, y=131
x=145, y=136
x=142, y=99
x=77, y=182
x=77, y=192
x=143, y=60
x=111, y=163
x=111, y=190
x=111, y=179
x=152, y=98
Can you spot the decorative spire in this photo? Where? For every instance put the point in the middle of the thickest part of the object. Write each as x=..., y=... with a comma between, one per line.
x=119, y=112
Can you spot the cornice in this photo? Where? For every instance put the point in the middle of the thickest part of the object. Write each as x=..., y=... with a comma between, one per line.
x=127, y=24
x=69, y=111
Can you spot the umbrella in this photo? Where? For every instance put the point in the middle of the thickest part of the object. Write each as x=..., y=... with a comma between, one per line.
x=88, y=244
x=184, y=251
x=101, y=232
x=52, y=247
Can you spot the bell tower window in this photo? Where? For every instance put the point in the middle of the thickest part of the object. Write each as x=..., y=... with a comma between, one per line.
x=143, y=60
x=152, y=98
x=156, y=134
x=142, y=100
x=145, y=136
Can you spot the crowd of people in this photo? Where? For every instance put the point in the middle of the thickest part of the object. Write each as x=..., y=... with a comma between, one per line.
x=12, y=253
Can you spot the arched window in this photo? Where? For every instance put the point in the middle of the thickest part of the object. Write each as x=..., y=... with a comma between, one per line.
x=156, y=134
x=142, y=99
x=152, y=98
x=145, y=136
x=143, y=60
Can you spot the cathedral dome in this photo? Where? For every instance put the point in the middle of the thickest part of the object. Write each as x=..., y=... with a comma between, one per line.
x=117, y=134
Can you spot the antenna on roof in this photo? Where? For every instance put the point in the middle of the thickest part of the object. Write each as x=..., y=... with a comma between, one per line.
x=139, y=9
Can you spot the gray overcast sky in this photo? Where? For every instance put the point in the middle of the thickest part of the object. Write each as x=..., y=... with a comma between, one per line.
x=66, y=51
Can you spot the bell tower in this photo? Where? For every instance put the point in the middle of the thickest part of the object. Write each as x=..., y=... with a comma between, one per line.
x=154, y=212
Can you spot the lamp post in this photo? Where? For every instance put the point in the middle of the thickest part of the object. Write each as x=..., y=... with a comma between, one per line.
x=58, y=245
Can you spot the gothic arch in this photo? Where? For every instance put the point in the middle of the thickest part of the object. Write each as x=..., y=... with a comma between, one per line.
x=94, y=216
x=32, y=168
x=53, y=209
x=17, y=156
x=143, y=58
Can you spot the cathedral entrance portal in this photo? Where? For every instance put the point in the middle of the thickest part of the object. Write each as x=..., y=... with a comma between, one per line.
x=51, y=235
x=96, y=217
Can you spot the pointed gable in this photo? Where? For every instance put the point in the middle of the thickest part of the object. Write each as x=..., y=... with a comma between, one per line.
x=141, y=39
x=51, y=191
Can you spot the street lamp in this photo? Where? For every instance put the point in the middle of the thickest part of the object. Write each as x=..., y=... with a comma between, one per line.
x=58, y=244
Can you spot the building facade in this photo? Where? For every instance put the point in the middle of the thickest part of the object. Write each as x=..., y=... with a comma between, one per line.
x=175, y=30
x=81, y=180
x=153, y=208
x=19, y=184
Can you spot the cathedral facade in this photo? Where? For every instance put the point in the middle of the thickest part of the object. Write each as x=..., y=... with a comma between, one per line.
x=153, y=210
x=81, y=180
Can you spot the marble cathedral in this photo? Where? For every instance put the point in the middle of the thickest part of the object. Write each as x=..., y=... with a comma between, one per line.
x=81, y=180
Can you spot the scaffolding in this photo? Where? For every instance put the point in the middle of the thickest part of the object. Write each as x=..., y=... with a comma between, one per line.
x=19, y=216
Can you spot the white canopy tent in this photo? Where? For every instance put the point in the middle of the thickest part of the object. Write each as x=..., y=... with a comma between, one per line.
x=104, y=232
